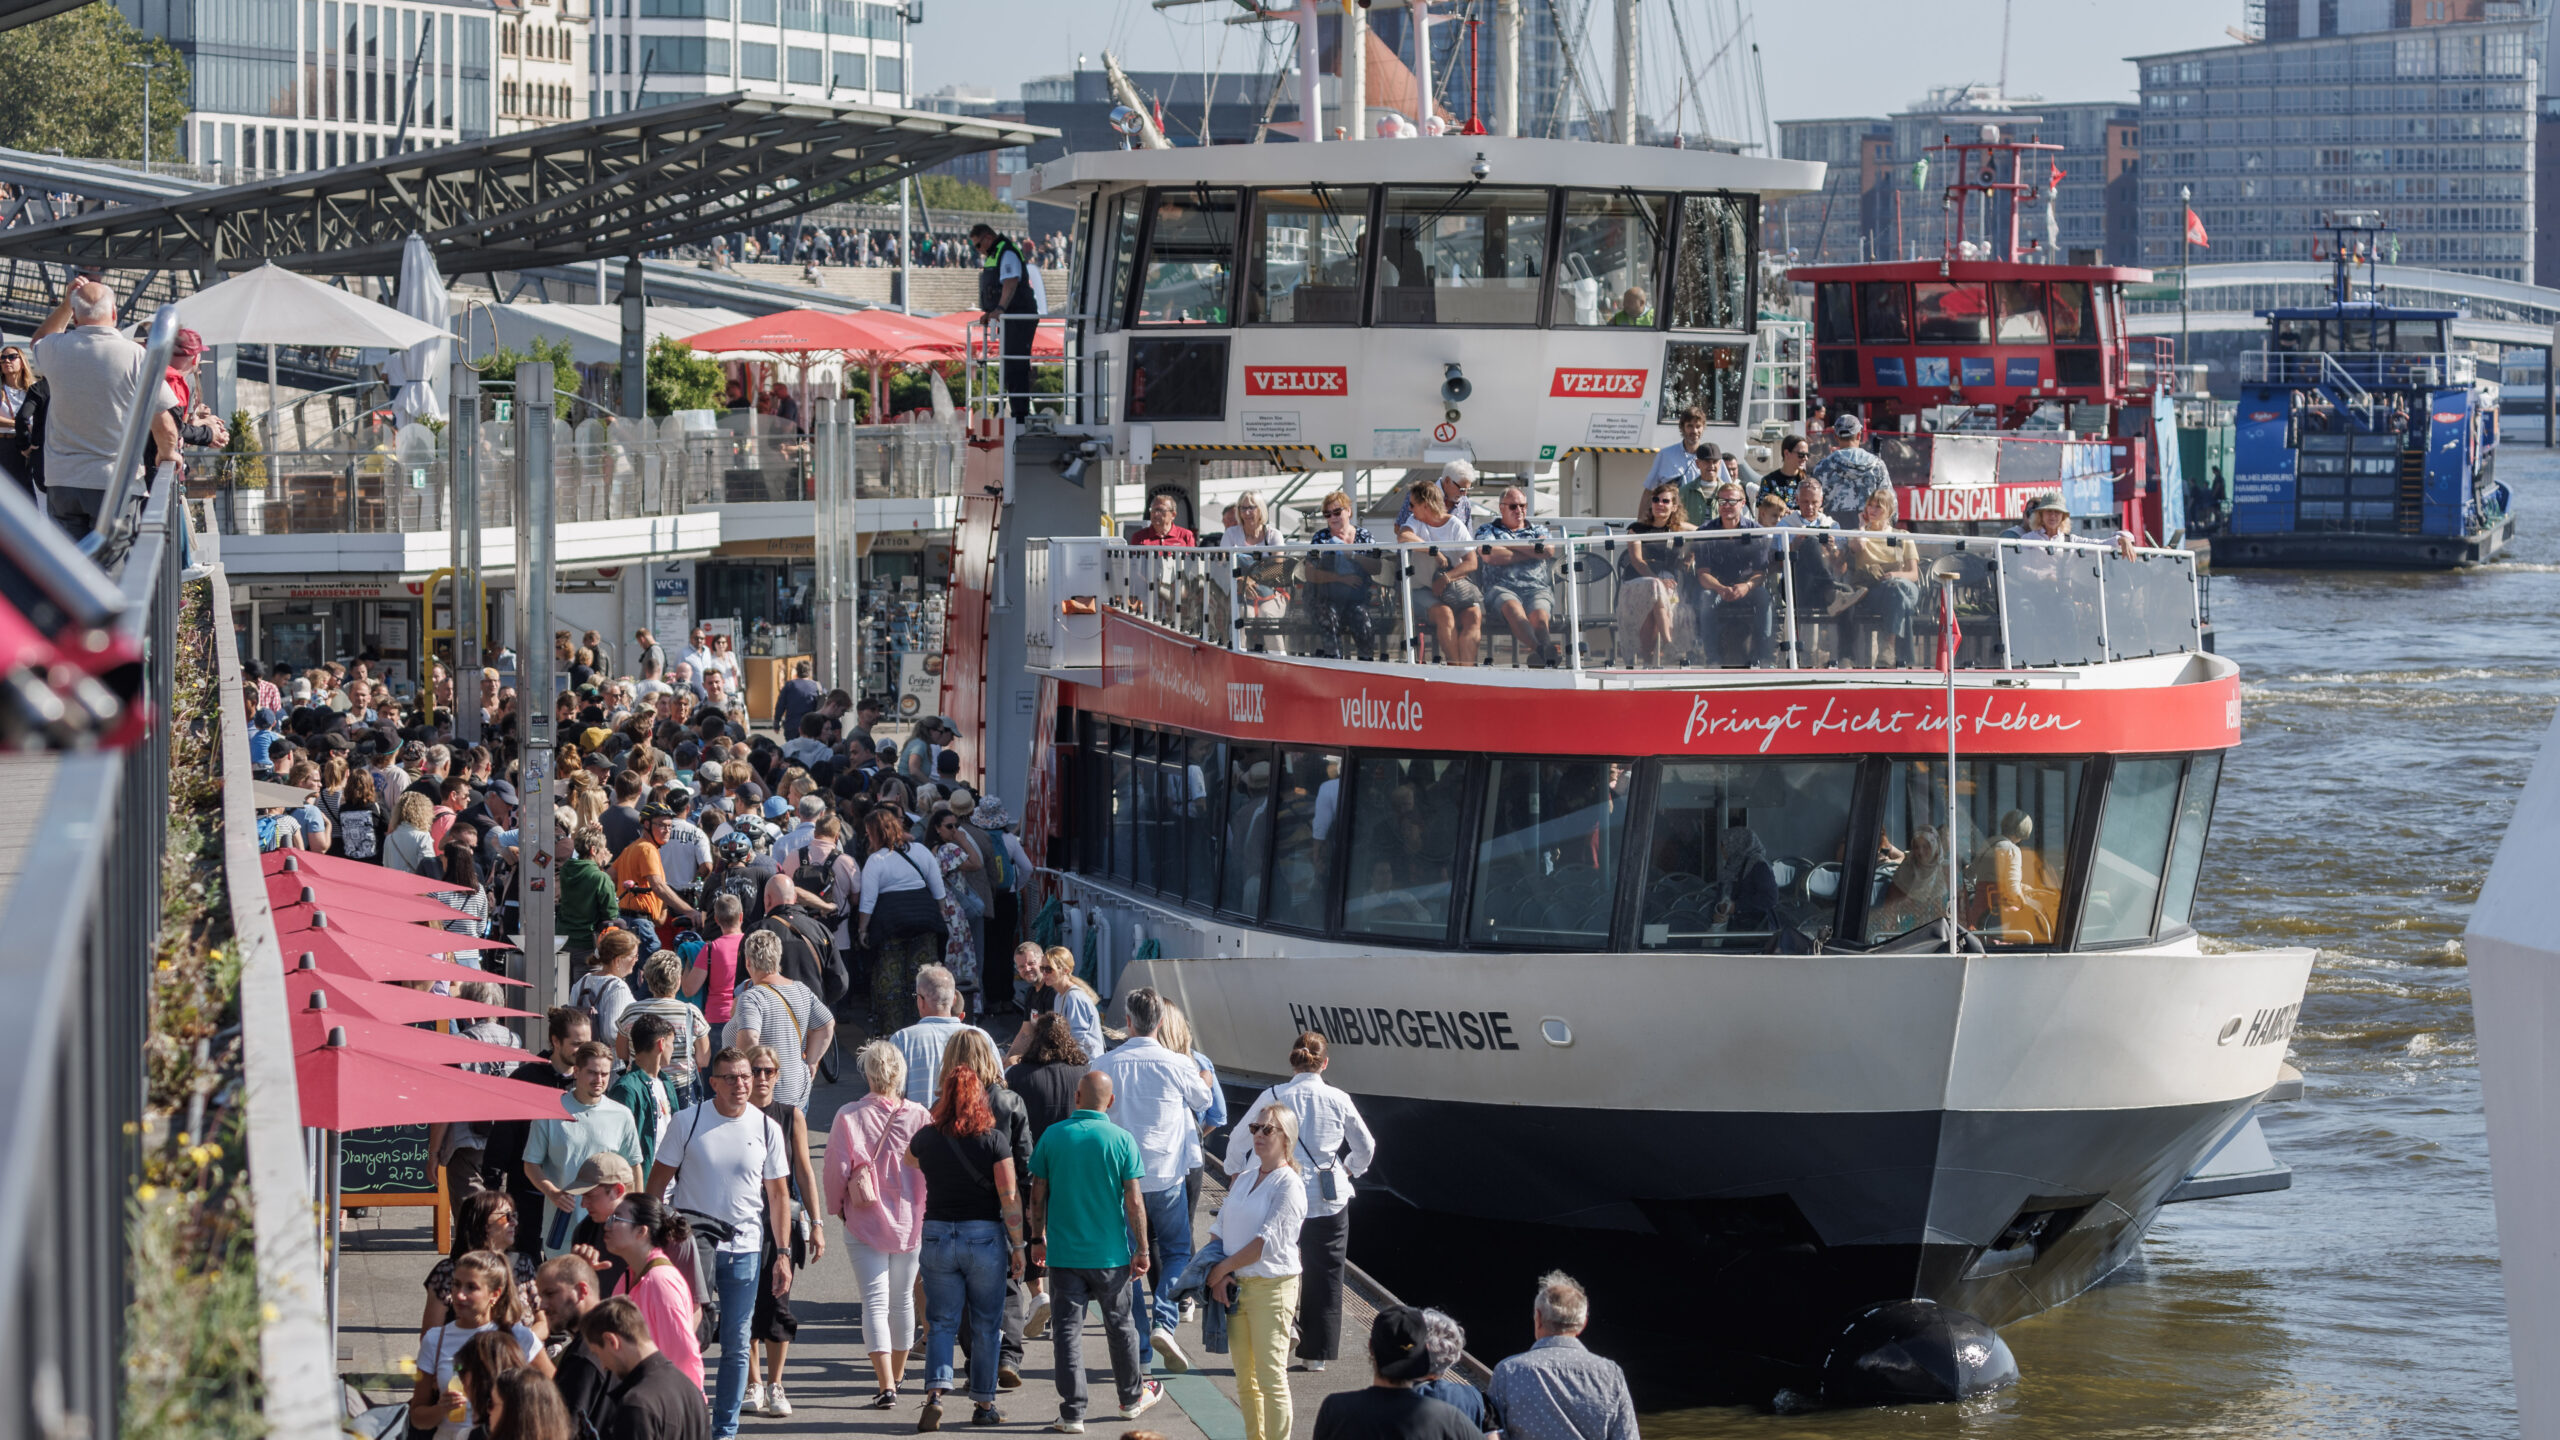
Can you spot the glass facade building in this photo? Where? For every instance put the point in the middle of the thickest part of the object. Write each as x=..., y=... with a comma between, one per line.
x=659, y=52
x=2434, y=126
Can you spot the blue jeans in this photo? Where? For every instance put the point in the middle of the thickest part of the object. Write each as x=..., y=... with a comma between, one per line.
x=736, y=1279
x=1168, y=1251
x=963, y=1268
x=1736, y=632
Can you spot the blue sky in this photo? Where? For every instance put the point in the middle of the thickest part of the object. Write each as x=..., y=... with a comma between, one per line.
x=2059, y=49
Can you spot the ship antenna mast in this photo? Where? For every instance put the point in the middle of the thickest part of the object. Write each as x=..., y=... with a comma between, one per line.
x=2005, y=6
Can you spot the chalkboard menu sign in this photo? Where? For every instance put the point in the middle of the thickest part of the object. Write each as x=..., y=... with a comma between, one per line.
x=388, y=1161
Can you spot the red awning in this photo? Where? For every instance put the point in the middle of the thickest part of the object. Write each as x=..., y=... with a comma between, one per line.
x=392, y=1004
x=295, y=925
x=861, y=332
x=298, y=895
x=396, y=1042
x=344, y=1088
x=1049, y=342
x=341, y=953
x=354, y=872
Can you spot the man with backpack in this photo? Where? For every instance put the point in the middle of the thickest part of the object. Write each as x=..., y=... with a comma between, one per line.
x=808, y=952
x=724, y=1164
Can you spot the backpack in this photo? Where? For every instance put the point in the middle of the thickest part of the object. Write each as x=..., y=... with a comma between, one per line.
x=750, y=893
x=1002, y=874
x=589, y=995
x=812, y=876
x=356, y=837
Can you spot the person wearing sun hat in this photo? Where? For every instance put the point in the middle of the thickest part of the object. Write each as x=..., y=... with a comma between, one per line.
x=1399, y=1356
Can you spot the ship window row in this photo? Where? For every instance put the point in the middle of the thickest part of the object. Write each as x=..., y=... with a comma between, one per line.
x=1474, y=255
x=1966, y=312
x=1630, y=855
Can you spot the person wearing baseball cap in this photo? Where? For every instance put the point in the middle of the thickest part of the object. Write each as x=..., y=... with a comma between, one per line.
x=640, y=880
x=1850, y=473
x=1399, y=1355
x=600, y=1185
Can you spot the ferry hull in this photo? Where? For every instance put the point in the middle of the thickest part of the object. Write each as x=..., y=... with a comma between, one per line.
x=2304, y=550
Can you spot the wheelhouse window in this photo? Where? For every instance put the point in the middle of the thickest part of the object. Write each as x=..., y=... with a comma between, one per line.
x=2133, y=847
x=2067, y=305
x=1404, y=845
x=1120, y=235
x=1711, y=286
x=1609, y=259
x=1547, y=852
x=1951, y=314
x=1308, y=808
x=2020, y=312
x=1835, y=313
x=1191, y=256
x=1305, y=266
x=1884, y=312
x=2186, y=855
x=1463, y=256
x=2011, y=842
x=1746, y=856
x=1707, y=374
x=1250, y=814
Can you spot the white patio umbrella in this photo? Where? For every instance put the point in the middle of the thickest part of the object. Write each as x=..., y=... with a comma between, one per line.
x=274, y=306
x=2513, y=946
x=422, y=371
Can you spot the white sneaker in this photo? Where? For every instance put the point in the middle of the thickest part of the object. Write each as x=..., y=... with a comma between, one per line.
x=1169, y=1350
x=776, y=1404
x=1148, y=1394
x=1316, y=1364
x=754, y=1403
x=1037, y=1321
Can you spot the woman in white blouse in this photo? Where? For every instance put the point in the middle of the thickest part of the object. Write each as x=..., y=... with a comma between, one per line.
x=1333, y=1145
x=1266, y=1205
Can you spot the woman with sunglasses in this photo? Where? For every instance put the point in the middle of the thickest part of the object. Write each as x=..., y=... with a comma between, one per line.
x=649, y=1238
x=1648, y=608
x=16, y=379
x=1258, y=1280
x=1335, y=1142
x=952, y=850
x=483, y=1221
x=1343, y=586
x=1261, y=588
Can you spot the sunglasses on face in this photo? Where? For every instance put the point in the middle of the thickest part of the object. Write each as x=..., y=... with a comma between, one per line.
x=768, y=1070
x=734, y=1079
x=1264, y=1129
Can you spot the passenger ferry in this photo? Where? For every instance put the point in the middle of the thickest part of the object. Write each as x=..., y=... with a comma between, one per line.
x=1815, y=952
x=2363, y=439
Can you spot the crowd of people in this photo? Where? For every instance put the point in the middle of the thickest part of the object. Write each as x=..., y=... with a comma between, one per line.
x=847, y=245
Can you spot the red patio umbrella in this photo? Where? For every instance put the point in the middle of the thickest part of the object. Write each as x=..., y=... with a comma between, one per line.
x=385, y=934
x=335, y=954
x=353, y=872
x=874, y=339
x=302, y=893
x=344, y=1088
x=374, y=1000
x=312, y=1026
x=1048, y=342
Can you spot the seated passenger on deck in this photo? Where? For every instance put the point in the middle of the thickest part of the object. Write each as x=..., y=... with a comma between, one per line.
x=1519, y=575
x=1452, y=603
x=1734, y=574
x=1262, y=590
x=2048, y=519
x=1888, y=566
x=1341, y=588
x=2014, y=893
x=1648, y=578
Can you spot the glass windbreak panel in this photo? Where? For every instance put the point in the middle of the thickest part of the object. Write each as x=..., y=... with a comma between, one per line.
x=1191, y=256
x=1711, y=286
x=1547, y=853
x=1404, y=845
x=2186, y=856
x=1884, y=312
x=1746, y=856
x=1148, y=789
x=2050, y=591
x=1124, y=806
x=1835, y=313
x=1308, y=805
x=2019, y=307
x=1204, y=809
x=1953, y=314
x=2151, y=604
x=2068, y=305
x=1461, y=257
x=2012, y=831
x=1305, y=268
x=1250, y=813
x=2133, y=844
x=1609, y=259
x=2356, y=337
x=1122, y=236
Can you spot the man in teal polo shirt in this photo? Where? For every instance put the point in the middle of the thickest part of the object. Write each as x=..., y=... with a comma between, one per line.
x=1092, y=1221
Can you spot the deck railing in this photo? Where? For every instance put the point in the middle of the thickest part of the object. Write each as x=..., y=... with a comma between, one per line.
x=2369, y=369
x=1785, y=599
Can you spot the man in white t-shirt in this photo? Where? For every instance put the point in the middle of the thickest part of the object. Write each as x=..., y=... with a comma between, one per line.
x=686, y=852
x=728, y=1161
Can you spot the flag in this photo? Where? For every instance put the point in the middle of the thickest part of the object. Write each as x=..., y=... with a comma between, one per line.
x=2056, y=179
x=1950, y=634
x=2195, y=230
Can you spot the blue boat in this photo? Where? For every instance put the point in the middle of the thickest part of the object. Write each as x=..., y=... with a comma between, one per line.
x=2362, y=440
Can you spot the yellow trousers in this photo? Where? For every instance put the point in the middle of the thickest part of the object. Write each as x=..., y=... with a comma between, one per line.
x=1258, y=1336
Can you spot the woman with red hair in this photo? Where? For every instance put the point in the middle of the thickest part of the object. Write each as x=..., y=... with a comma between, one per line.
x=972, y=1237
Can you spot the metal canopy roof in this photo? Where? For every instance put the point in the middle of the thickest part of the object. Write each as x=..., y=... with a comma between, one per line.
x=602, y=188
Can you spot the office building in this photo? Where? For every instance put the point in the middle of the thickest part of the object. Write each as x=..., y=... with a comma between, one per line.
x=676, y=50
x=542, y=63
x=2432, y=122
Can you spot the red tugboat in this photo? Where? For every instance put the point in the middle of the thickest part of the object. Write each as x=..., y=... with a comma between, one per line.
x=1994, y=374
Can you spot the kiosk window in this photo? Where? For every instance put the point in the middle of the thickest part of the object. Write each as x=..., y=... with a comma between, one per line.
x=1469, y=256
x=1609, y=258
x=1191, y=256
x=1305, y=268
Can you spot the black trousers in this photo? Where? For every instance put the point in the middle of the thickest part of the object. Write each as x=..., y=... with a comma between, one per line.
x=1019, y=330
x=1323, y=1241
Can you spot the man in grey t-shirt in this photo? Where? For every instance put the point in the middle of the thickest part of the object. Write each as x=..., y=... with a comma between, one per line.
x=95, y=375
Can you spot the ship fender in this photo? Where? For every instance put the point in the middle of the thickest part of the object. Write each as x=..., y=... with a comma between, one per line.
x=1907, y=1352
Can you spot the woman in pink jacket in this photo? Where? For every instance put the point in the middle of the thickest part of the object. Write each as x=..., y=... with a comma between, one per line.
x=876, y=1189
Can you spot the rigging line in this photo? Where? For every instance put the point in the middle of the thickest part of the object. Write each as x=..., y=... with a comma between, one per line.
x=1680, y=100
x=1759, y=80
x=1572, y=71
